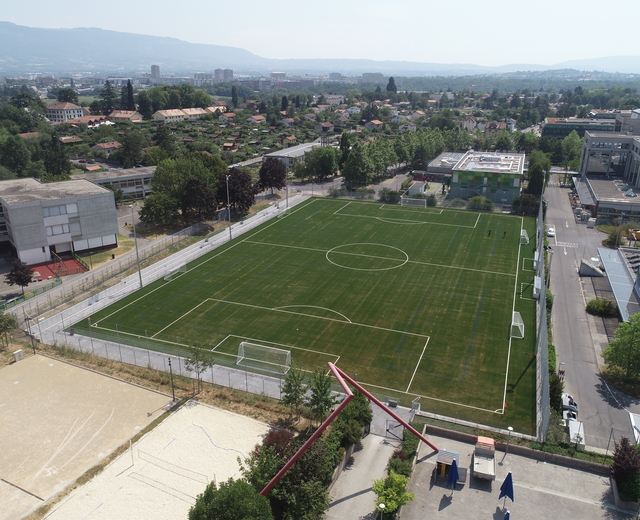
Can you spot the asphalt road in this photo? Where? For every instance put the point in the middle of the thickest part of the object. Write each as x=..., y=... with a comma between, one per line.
x=601, y=409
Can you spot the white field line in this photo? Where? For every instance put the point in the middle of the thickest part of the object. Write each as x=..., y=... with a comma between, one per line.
x=384, y=258
x=319, y=318
x=225, y=339
x=300, y=206
x=258, y=340
x=522, y=284
x=477, y=220
x=340, y=209
x=178, y=319
x=403, y=221
x=417, y=365
x=314, y=307
x=513, y=308
x=524, y=268
x=429, y=209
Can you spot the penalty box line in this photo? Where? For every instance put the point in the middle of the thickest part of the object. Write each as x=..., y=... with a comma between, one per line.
x=415, y=370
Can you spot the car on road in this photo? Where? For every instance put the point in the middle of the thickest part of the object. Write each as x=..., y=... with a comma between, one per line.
x=82, y=160
x=551, y=232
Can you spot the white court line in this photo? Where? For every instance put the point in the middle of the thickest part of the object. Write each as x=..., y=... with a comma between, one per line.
x=225, y=339
x=178, y=319
x=313, y=307
x=524, y=268
x=429, y=209
x=318, y=317
x=339, y=209
x=402, y=221
x=409, y=262
x=417, y=365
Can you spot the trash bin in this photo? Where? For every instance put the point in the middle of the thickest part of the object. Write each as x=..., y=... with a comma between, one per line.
x=18, y=355
x=113, y=257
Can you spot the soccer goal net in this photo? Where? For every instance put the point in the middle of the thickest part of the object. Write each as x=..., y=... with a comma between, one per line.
x=408, y=201
x=517, y=326
x=174, y=273
x=269, y=359
x=284, y=213
x=524, y=237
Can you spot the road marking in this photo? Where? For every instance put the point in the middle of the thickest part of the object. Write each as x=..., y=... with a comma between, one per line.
x=567, y=244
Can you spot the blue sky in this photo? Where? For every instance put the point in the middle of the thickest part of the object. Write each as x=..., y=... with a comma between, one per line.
x=497, y=32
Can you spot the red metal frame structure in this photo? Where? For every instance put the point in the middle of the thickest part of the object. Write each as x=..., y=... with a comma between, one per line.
x=341, y=377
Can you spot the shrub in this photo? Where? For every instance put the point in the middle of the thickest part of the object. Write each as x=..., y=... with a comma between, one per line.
x=458, y=203
x=399, y=466
x=431, y=200
x=480, y=203
x=626, y=469
x=389, y=196
x=601, y=307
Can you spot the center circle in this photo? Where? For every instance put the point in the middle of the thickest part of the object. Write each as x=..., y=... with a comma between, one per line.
x=367, y=256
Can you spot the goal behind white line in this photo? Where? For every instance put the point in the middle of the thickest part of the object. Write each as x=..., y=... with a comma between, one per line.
x=408, y=201
x=174, y=273
x=524, y=237
x=269, y=359
x=517, y=326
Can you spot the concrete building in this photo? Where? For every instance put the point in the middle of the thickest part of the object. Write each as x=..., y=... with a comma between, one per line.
x=496, y=176
x=62, y=112
x=293, y=154
x=135, y=183
x=59, y=217
x=125, y=116
x=562, y=127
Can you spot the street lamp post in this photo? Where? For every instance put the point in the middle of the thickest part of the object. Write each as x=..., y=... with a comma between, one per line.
x=228, y=207
x=510, y=428
x=135, y=238
x=381, y=506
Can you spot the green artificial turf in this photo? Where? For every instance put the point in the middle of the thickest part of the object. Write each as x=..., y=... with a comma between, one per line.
x=413, y=302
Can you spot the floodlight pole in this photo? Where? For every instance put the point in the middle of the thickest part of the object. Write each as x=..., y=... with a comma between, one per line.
x=619, y=228
x=228, y=207
x=135, y=238
x=173, y=395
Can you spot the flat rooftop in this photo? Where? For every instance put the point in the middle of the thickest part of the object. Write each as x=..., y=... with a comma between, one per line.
x=493, y=162
x=571, y=121
x=293, y=151
x=145, y=171
x=446, y=160
x=612, y=189
x=23, y=191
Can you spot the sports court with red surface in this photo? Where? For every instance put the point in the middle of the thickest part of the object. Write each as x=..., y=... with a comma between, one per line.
x=62, y=267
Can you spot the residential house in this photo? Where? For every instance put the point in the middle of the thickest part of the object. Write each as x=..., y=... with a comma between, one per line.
x=512, y=124
x=71, y=139
x=470, y=124
x=170, y=116
x=107, y=148
x=227, y=116
x=323, y=127
x=354, y=110
x=494, y=127
x=256, y=119
x=30, y=135
x=408, y=126
x=310, y=117
x=125, y=116
x=62, y=112
x=414, y=116
x=398, y=119
x=373, y=125
x=90, y=121
x=289, y=140
x=195, y=113
x=288, y=121
x=341, y=121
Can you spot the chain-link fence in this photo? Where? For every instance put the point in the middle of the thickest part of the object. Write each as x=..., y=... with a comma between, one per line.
x=543, y=407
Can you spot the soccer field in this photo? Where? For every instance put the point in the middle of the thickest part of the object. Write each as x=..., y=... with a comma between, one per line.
x=413, y=302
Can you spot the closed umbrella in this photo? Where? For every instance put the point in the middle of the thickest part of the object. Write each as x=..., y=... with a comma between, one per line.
x=506, y=489
x=507, y=516
x=453, y=476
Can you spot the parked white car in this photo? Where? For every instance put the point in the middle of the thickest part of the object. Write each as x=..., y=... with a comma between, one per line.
x=551, y=232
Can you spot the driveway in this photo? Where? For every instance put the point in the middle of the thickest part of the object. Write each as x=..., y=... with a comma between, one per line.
x=603, y=411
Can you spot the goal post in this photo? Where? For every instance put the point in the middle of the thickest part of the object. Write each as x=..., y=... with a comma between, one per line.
x=268, y=359
x=174, y=273
x=517, y=326
x=524, y=237
x=408, y=201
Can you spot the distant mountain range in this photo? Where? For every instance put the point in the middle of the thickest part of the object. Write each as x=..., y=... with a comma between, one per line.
x=55, y=51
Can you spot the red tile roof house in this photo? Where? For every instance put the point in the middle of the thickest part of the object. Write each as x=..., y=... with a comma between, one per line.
x=324, y=127
x=256, y=119
x=227, y=116
x=107, y=148
x=289, y=121
x=310, y=117
x=372, y=125
x=90, y=121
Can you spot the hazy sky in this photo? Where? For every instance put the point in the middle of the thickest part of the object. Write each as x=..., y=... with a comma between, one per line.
x=497, y=32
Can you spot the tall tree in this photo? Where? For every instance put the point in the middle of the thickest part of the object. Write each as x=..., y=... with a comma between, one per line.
x=358, y=167
x=392, y=492
x=345, y=147
x=8, y=323
x=21, y=274
x=199, y=200
x=624, y=351
x=109, y=98
x=14, y=154
x=242, y=194
x=273, y=174
x=67, y=95
x=321, y=162
x=159, y=208
x=199, y=359
x=231, y=500
x=144, y=104
x=133, y=143
x=284, y=104
x=56, y=160
x=391, y=86
x=131, y=104
x=164, y=139
x=293, y=390
x=234, y=96
x=320, y=400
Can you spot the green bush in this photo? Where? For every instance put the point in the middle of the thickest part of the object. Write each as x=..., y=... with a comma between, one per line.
x=601, y=307
x=388, y=196
x=549, y=300
x=552, y=358
x=431, y=200
x=458, y=203
x=480, y=203
x=399, y=466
